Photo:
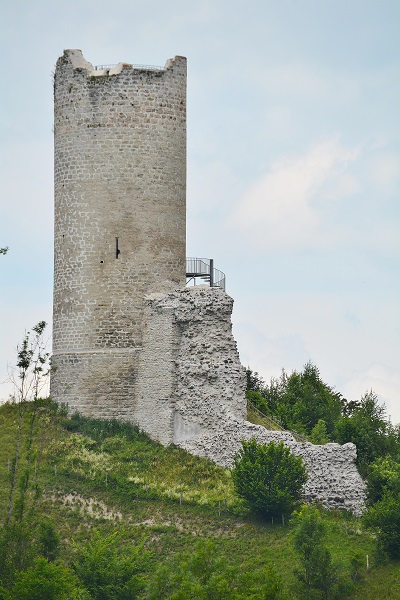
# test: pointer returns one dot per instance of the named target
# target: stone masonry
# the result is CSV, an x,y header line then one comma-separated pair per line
x,y
191,392
120,220
130,341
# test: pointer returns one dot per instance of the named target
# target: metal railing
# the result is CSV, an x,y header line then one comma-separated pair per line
x,y
203,268
143,67
219,279
269,423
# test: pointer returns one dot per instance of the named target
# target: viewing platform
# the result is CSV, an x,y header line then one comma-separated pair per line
x,y
203,269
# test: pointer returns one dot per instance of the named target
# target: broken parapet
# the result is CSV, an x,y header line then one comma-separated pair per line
x,y
333,478
189,369
191,392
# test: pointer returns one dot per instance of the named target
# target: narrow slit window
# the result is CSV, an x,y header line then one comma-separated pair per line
x,y
117,250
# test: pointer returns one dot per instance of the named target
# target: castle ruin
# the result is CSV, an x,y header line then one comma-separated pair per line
x,y
130,341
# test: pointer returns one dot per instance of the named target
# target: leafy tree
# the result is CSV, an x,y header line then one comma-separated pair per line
x,y
48,540
383,476
33,365
318,577
33,369
46,581
205,575
258,400
4,594
384,518
110,570
300,400
269,477
319,434
254,382
367,427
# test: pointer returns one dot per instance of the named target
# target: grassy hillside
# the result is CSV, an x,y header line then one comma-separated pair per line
x,y
90,476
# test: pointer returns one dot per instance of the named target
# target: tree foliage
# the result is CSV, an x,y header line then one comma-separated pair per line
x,y
368,428
384,518
302,402
300,399
318,577
33,364
319,434
204,574
110,570
383,477
269,477
46,581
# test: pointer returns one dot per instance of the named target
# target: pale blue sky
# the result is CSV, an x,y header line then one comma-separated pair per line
x,y
293,168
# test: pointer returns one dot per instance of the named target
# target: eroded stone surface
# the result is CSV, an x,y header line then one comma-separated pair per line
x,y
191,387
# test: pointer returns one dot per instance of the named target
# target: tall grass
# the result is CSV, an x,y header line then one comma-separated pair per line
x,y
92,474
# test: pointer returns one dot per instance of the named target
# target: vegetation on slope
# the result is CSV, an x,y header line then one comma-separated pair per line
x,y
302,402
99,507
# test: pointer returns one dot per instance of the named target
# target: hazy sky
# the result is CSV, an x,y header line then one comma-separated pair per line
x,y
293,168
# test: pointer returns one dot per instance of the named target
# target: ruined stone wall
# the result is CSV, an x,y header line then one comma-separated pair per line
x,y
191,391
120,220
189,371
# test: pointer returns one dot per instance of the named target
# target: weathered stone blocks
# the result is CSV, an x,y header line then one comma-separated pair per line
x,y
191,392
120,219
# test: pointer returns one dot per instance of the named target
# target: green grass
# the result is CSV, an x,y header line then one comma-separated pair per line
x,y
107,475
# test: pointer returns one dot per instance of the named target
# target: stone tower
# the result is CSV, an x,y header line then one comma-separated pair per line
x,y
129,340
120,179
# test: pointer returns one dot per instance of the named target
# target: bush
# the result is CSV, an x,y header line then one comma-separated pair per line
x,y
384,518
48,540
269,478
109,570
204,574
44,581
318,577
383,476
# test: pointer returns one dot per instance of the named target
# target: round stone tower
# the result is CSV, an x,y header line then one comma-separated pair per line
x,y
120,187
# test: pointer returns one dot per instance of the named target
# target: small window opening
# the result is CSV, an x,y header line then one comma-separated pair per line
x,y
117,250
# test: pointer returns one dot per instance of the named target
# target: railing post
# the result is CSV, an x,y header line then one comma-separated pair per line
x,y
211,272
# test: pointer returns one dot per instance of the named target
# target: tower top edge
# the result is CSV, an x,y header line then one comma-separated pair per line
x,y
76,59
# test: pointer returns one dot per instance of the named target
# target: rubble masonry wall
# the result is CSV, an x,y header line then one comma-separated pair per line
x,y
199,402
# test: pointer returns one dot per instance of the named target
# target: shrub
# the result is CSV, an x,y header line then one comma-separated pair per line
x,y
204,574
44,581
383,476
269,478
384,518
48,540
109,570
318,577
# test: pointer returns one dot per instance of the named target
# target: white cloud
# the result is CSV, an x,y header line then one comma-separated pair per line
x,y
285,206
